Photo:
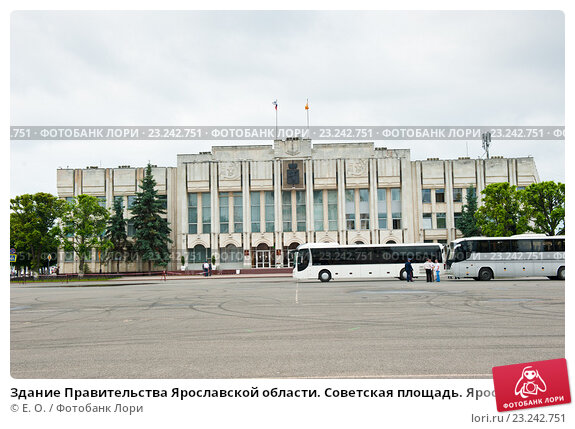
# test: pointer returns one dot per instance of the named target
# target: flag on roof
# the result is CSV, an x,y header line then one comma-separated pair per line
x,y
275,103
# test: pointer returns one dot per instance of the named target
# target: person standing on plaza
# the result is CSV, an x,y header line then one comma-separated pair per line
x,y
409,270
436,268
206,267
428,266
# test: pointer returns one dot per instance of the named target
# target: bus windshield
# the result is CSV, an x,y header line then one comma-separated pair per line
x,y
457,253
302,260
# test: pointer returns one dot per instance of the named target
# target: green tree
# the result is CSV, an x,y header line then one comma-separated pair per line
x,y
152,232
544,205
83,227
117,235
33,231
467,223
501,214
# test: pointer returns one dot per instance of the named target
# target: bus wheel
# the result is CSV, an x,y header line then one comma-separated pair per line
x,y
485,274
402,274
324,276
561,273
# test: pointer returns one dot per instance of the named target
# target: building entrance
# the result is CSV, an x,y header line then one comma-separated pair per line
x,y
263,258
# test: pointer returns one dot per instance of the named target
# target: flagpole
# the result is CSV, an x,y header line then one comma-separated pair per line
x,y
275,103
307,113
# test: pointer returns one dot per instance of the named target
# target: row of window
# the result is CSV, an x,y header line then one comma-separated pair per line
x,y
293,205
440,195
535,245
374,255
131,199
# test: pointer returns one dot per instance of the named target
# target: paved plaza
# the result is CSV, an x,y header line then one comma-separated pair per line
x,y
275,327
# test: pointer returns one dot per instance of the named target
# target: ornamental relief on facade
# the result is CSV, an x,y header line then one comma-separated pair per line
x,y
357,167
230,170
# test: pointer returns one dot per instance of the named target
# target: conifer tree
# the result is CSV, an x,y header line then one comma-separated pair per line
x,y
152,232
467,224
117,234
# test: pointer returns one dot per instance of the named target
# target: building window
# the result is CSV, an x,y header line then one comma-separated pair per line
x,y
426,195
426,224
102,201
382,208
224,213
300,210
206,213
192,213
332,210
457,219
69,199
318,210
198,255
68,256
457,195
440,195
440,220
396,207
363,208
231,254
286,211
238,214
121,199
350,209
163,199
131,230
473,192
131,200
269,210
255,211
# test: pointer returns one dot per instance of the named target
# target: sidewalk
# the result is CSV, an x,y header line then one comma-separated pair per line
x,y
143,279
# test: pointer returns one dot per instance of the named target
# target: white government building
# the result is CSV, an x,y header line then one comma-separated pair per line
x,y
251,205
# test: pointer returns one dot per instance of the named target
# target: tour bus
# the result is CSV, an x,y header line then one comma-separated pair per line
x,y
485,258
327,261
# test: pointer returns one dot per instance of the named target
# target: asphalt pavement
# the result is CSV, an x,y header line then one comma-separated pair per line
x,y
275,327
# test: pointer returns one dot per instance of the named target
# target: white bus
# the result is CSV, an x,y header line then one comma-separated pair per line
x,y
485,258
327,261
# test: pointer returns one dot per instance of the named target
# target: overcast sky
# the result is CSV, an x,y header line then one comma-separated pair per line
x,y
226,68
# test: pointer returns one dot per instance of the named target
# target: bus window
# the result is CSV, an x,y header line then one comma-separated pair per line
x,y
559,245
523,246
547,245
483,246
499,246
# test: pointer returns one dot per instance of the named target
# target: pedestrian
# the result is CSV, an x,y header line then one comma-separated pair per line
x,y
436,265
428,266
206,267
210,269
409,270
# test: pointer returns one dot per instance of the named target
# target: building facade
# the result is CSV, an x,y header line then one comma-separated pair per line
x,y
251,206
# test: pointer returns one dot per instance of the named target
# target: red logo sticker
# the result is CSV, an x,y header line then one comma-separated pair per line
x,y
531,384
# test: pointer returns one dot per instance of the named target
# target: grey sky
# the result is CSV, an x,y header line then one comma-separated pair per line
x,y
225,68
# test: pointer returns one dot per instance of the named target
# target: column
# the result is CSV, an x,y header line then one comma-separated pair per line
x,y
278,234
309,201
215,203
341,201
246,211
449,222
181,200
373,200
